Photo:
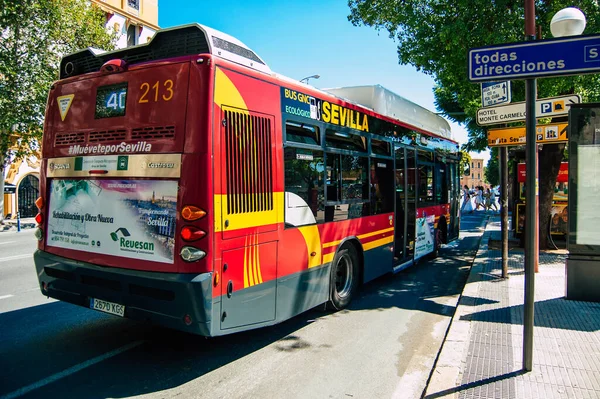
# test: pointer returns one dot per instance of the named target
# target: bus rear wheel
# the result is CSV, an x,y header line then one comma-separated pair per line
x,y
343,278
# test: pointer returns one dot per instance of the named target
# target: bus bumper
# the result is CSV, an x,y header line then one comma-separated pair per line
x,y
161,298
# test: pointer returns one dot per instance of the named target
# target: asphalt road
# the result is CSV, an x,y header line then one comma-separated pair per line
x,y
383,346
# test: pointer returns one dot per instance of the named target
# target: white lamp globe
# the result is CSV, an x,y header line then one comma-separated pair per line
x,y
569,21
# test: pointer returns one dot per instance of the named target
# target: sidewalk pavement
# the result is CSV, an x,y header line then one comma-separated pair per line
x,y
483,350
11,224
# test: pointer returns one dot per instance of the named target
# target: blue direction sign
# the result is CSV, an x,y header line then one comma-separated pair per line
x,y
494,93
553,57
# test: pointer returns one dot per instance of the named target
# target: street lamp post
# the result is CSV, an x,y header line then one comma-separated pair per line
x,y
310,77
567,22
531,209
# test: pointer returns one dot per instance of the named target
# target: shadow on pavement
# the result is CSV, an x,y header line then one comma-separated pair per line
x,y
475,384
53,337
549,313
48,339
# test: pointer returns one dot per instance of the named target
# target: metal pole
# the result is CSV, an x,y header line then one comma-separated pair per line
x,y
531,194
504,208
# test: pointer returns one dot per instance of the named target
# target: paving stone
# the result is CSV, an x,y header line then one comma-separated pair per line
x,y
566,354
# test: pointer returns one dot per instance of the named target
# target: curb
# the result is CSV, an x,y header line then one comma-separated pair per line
x,y
447,373
10,226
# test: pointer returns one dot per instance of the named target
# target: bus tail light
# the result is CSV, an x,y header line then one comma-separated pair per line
x,y
191,233
191,213
39,218
191,254
39,234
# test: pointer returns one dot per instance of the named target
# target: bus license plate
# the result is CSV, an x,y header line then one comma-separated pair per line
x,y
107,307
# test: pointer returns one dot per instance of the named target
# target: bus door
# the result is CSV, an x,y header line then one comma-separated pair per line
x,y
405,211
248,219
454,222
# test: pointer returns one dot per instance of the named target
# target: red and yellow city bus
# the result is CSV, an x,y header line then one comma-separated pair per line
x,y
186,184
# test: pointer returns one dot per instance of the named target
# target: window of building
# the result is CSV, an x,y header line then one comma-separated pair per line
x,y
301,133
478,165
135,4
479,175
304,186
132,38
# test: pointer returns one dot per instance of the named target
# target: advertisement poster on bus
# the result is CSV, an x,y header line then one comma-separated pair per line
x,y
127,218
424,242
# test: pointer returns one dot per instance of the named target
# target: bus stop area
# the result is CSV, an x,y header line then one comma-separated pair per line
x,y
482,354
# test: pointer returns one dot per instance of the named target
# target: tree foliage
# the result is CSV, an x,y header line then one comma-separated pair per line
x,y
465,161
435,36
35,34
492,170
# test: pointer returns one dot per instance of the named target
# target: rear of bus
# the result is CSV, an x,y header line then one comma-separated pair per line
x,y
125,210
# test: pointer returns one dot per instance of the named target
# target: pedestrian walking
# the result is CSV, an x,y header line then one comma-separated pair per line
x,y
487,200
493,202
479,198
467,206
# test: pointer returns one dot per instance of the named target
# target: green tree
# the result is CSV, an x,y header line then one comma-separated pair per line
x,y
435,37
35,34
492,170
464,167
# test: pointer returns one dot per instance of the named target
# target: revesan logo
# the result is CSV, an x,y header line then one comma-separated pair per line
x,y
130,245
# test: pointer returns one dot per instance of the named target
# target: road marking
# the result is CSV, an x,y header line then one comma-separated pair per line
x,y
69,371
9,258
7,242
6,296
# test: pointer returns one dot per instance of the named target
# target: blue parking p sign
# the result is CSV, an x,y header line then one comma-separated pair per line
x,y
553,57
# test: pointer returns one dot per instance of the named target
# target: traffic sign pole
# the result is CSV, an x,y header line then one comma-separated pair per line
x,y
531,209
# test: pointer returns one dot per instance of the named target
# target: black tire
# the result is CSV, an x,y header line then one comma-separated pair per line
x,y
343,281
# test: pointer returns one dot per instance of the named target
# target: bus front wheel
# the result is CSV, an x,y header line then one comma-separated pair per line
x,y
343,277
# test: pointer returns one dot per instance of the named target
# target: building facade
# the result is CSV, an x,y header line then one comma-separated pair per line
x,y
476,177
136,21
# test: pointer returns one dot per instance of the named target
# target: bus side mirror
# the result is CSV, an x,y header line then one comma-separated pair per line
x,y
467,169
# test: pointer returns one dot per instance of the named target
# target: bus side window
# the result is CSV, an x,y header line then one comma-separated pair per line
x,y
304,189
382,184
441,184
425,183
347,187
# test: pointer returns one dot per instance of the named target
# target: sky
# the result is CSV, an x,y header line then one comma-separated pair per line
x,y
300,38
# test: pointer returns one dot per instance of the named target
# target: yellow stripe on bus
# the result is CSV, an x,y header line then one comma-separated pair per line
x,y
362,236
249,219
370,245
378,243
312,238
226,93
